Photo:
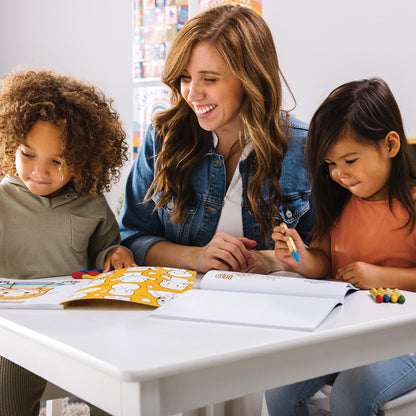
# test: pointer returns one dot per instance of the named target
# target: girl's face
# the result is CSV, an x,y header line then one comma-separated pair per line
x,y
38,160
363,169
212,91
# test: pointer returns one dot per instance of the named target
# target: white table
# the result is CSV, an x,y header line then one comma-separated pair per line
x,y
119,359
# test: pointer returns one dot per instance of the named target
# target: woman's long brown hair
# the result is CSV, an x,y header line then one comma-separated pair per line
x,y
246,45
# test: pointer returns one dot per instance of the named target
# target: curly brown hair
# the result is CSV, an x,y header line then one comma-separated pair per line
x,y
93,139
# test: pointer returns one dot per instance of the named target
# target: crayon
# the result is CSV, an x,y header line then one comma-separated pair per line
x,y
290,244
376,295
383,292
393,296
400,298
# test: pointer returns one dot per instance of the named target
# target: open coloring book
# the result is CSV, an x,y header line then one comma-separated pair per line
x,y
279,300
146,285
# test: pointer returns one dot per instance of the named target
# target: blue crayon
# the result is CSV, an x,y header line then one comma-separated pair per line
x,y
383,292
291,244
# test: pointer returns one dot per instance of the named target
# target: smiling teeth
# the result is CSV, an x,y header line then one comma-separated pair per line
x,y
203,110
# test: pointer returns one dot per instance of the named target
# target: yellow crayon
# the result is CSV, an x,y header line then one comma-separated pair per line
x,y
393,296
400,297
291,244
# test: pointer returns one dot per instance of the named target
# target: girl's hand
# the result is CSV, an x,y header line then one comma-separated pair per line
x,y
118,258
361,275
225,252
281,249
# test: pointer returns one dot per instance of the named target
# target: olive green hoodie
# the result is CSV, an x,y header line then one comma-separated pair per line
x,y
43,237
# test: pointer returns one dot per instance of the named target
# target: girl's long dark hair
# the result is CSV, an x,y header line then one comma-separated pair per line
x,y
369,110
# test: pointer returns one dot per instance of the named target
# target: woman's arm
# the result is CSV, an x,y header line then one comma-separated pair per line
x,y
223,252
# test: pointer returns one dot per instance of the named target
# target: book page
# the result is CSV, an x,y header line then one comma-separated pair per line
x,y
37,293
278,283
153,286
242,308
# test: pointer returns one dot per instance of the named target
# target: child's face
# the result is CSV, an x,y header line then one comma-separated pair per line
x,y
38,160
363,169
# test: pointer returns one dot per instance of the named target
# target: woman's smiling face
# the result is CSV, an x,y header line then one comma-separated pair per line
x,y
212,90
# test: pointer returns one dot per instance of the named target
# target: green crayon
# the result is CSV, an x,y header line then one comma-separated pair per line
x,y
400,297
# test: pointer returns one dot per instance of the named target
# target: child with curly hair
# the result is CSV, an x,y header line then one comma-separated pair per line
x,y
61,145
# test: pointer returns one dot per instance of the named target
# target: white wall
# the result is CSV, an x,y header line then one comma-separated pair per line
x,y
90,39
323,43
320,43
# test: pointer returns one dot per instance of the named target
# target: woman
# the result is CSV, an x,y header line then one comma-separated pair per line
x,y
224,164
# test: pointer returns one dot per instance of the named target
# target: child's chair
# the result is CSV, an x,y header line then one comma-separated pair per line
x,y
53,396
404,405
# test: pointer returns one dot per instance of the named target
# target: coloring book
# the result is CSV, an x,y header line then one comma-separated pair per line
x,y
152,286
279,300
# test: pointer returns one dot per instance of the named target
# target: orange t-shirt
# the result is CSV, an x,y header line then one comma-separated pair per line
x,y
368,231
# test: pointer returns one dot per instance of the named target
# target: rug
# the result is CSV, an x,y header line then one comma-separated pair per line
x,y
70,408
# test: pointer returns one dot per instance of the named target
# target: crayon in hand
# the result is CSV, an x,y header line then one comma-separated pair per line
x,y
376,295
291,244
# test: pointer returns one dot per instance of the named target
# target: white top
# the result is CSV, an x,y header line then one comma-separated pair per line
x,y
231,220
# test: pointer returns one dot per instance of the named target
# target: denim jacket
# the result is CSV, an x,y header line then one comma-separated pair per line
x,y
141,227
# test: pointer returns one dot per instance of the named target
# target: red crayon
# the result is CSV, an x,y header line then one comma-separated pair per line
x,y
376,295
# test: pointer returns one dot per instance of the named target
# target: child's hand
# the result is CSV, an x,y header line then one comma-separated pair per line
x,y
281,248
361,275
118,258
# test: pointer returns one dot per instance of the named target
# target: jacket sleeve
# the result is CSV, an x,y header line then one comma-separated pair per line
x,y
140,226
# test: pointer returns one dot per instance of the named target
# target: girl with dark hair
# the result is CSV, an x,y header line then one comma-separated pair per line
x,y
363,184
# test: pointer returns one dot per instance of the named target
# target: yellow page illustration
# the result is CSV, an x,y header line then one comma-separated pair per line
x,y
152,286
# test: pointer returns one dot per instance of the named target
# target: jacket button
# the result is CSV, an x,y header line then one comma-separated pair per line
x,y
171,204
288,213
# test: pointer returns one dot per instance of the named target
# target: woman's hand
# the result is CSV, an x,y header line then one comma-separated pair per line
x,y
264,262
225,252
118,258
